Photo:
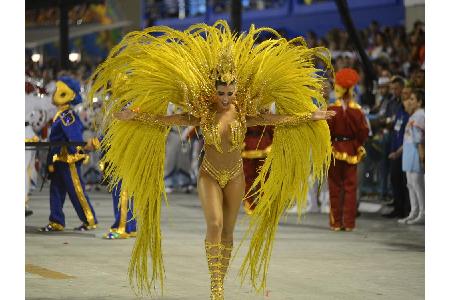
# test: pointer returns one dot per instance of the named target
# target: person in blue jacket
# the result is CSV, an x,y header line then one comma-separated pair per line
x,y
64,161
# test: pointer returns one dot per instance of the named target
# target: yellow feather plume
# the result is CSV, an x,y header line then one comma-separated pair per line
x,y
150,68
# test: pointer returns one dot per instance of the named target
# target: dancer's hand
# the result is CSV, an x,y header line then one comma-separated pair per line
x,y
125,115
323,115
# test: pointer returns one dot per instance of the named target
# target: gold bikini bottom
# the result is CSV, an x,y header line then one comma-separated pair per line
x,y
222,176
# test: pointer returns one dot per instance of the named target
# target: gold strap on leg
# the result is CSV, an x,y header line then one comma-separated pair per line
x,y
214,258
227,249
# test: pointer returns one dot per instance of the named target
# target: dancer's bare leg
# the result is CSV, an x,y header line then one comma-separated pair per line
x,y
233,194
211,199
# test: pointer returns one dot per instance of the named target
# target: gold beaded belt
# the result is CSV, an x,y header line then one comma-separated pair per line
x,y
222,176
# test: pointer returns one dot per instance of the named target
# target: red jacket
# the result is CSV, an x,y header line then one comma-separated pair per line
x,y
349,131
257,142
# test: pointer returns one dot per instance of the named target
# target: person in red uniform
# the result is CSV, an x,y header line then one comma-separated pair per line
x,y
349,131
258,141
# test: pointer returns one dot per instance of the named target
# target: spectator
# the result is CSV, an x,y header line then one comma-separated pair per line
x,y
398,177
383,103
418,78
413,159
379,124
381,49
417,41
374,27
396,88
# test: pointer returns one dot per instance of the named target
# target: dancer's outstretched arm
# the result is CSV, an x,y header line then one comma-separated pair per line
x,y
159,120
274,119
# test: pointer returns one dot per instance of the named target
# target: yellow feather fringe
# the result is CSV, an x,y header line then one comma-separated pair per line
x,y
150,68
296,154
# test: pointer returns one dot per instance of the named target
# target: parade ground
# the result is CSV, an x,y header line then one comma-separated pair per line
x,y
381,259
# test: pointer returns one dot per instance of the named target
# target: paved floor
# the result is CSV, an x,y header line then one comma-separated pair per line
x,y
380,260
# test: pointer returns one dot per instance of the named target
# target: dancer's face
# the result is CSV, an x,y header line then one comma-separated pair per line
x,y
226,95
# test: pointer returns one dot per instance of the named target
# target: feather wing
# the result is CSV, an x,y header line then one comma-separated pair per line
x,y
281,72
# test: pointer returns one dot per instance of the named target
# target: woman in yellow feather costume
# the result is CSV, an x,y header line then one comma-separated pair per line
x,y
221,82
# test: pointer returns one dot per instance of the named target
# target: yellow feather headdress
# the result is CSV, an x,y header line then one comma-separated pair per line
x,y
225,70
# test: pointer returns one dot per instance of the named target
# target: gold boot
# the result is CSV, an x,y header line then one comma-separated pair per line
x,y
227,248
214,258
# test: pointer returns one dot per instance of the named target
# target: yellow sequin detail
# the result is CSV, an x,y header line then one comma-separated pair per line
x,y
214,259
226,70
298,119
212,136
148,119
237,135
222,176
252,154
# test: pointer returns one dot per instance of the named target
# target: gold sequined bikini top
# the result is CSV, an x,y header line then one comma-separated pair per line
x,y
212,136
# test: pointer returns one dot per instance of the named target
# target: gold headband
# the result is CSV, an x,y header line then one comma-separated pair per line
x,y
225,70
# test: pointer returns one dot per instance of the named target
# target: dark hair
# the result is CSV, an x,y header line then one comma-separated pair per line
x,y
413,68
420,95
220,82
399,80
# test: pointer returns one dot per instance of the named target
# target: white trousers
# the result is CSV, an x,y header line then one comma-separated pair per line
x,y
29,167
416,187
314,196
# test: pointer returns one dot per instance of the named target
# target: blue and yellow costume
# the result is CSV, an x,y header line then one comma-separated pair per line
x,y
124,225
64,161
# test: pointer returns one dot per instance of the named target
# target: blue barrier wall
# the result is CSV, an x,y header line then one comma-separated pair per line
x,y
297,19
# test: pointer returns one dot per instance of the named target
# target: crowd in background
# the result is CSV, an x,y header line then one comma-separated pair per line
x,y
160,9
398,59
78,14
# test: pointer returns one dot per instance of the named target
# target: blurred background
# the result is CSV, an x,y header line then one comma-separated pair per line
x,y
383,39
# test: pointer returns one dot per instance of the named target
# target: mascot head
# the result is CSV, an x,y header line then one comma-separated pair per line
x,y
67,91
